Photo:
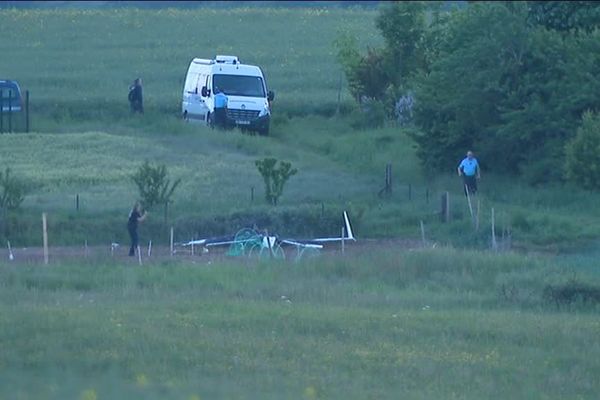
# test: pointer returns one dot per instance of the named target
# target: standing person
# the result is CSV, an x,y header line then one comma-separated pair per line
x,y
135,97
135,216
220,108
469,170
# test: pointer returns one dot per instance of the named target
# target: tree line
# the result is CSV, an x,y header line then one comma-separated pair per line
x,y
516,81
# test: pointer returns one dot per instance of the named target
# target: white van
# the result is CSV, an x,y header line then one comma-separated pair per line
x,y
248,104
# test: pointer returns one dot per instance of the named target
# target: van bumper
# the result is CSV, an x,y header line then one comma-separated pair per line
x,y
260,124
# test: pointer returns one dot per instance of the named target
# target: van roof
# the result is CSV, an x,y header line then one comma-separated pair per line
x,y
225,68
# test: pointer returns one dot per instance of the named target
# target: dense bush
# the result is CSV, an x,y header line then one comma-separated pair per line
x,y
508,79
582,163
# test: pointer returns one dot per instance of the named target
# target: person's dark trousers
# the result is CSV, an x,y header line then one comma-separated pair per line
x,y
134,240
220,117
471,184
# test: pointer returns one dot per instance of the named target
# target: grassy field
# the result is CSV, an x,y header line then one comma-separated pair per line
x,y
417,325
89,144
440,323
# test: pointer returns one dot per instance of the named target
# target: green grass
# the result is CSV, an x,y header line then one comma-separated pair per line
x,y
419,325
89,143
76,73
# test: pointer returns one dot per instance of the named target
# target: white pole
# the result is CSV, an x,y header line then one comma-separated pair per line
x,y
192,245
423,233
149,248
343,239
171,241
10,253
469,202
139,255
45,237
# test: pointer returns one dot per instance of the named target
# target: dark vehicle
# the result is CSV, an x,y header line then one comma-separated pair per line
x,y
10,96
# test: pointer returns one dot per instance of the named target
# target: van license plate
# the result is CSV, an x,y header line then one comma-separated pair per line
x,y
242,122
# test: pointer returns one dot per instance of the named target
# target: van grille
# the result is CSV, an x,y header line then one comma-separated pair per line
x,y
241,115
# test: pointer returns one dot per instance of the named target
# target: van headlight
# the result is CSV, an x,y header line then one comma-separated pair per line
x,y
265,111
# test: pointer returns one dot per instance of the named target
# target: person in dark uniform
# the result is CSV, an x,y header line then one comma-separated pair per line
x,y
135,97
135,216
220,108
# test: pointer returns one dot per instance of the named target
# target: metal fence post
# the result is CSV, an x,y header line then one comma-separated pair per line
x,y
27,111
9,111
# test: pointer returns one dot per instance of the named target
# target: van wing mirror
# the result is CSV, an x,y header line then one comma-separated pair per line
x,y
271,95
205,91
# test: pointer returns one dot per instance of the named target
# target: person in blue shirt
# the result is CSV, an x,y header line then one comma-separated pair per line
x,y
469,170
220,108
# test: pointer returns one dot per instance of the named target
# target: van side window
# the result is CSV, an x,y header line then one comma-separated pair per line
x,y
190,82
198,83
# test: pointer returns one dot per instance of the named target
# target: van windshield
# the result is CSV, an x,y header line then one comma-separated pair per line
x,y
239,85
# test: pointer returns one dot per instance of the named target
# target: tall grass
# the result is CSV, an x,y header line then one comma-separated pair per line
x,y
75,73
428,324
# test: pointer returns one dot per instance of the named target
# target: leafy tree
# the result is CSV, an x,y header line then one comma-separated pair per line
x,y
565,16
582,164
402,25
512,92
153,185
12,191
383,74
274,178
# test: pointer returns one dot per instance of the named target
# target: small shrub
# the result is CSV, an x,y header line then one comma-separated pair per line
x,y
12,191
572,292
274,178
153,185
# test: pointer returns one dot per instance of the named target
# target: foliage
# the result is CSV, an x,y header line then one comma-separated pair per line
x,y
512,92
382,74
373,115
274,178
565,16
582,162
12,190
153,185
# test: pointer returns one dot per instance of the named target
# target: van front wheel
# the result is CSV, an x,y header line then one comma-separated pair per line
x,y
264,131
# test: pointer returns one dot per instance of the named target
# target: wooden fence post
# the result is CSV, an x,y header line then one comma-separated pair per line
x,y
494,244
45,237
445,212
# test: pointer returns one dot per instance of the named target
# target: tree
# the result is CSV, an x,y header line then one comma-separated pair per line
x,y
513,92
565,16
274,178
382,74
582,164
153,185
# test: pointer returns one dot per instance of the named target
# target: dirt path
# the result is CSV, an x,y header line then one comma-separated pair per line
x,y
158,254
